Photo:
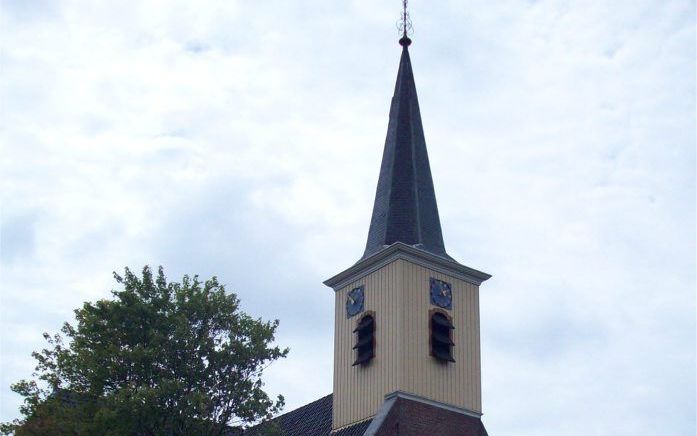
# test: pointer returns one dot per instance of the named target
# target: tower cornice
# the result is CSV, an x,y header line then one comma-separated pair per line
x,y
399,250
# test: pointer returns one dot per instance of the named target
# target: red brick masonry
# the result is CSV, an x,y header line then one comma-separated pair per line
x,y
413,418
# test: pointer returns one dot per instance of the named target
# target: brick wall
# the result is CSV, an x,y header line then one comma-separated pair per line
x,y
414,418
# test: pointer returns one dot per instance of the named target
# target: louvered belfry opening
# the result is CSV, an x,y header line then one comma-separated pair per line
x,y
441,337
365,340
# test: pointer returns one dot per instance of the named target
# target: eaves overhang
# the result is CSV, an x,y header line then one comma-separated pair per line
x,y
400,250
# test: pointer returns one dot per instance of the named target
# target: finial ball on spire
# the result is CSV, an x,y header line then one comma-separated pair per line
x,y
404,41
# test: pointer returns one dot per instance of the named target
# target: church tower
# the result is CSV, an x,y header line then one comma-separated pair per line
x,y
406,314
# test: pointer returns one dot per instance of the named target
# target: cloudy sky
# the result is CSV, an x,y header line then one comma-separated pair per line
x,y
243,139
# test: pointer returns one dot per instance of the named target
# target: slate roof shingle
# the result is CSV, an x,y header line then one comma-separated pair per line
x,y
405,208
313,419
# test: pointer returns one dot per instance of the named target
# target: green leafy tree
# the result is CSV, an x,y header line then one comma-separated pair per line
x,y
158,358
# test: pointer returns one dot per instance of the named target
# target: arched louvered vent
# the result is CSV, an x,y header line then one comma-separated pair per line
x,y
365,340
441,337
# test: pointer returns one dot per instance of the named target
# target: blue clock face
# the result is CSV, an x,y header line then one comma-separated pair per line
x,y
441,294
354,301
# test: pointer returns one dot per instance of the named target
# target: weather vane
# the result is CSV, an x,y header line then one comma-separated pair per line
x,y
404,24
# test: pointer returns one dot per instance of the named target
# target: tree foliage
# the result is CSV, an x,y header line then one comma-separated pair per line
x,y
157,358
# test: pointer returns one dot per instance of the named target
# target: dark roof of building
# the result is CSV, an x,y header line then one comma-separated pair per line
x,y
313,419
353,430
405,207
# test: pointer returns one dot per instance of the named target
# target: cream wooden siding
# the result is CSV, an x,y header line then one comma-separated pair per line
x,y
398,293
359,390
456,383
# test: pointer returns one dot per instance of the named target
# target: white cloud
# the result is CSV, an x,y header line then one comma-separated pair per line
x,y
243,139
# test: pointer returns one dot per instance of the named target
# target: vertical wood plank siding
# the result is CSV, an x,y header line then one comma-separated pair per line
x,y
359,390
398,293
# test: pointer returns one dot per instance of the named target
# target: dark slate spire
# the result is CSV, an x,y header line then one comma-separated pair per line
x,y
405,207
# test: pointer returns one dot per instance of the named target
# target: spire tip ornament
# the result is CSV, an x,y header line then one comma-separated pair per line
x,y
404,26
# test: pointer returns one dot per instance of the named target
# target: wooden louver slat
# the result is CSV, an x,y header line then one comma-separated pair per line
x,y
441,337
365,340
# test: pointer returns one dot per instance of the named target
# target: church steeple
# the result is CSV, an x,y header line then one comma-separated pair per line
x,y
406,324
405,207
